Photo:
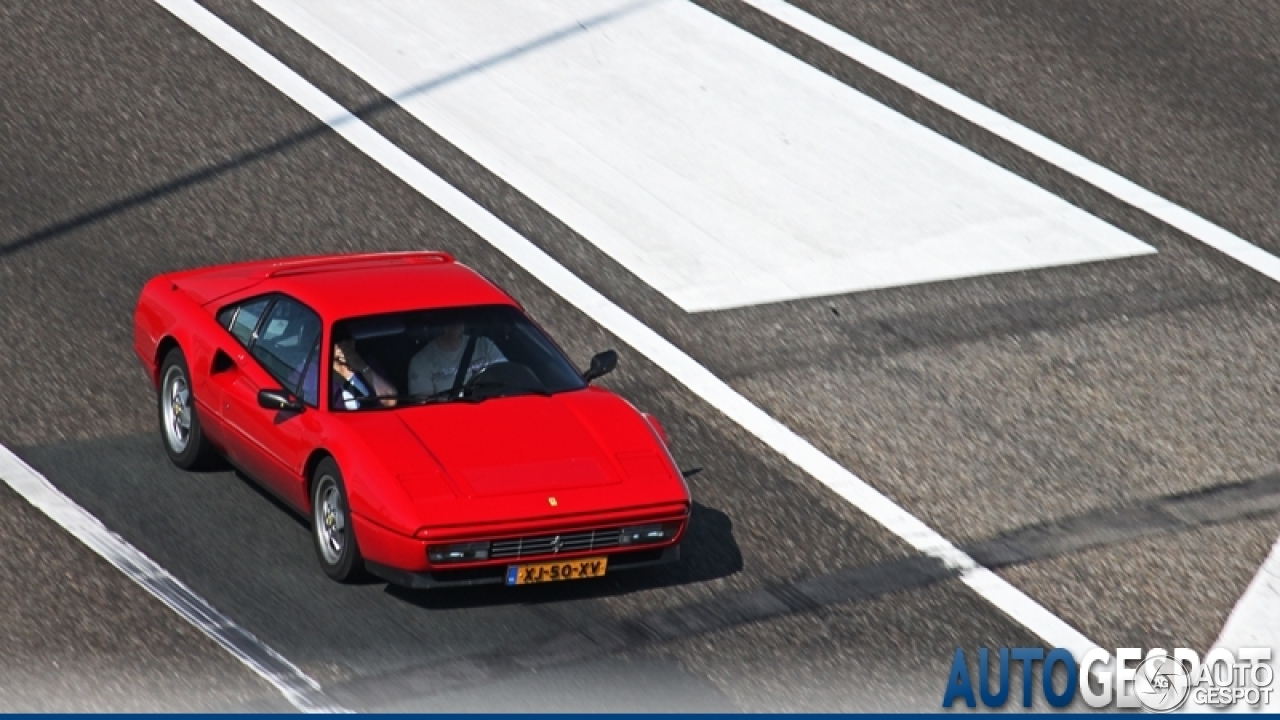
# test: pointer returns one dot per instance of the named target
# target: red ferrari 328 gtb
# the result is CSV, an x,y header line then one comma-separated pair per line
x,y
433,434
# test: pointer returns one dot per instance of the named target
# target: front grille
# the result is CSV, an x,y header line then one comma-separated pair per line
x,y
552,544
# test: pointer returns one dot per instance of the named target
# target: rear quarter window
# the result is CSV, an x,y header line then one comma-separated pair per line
x,y
242,319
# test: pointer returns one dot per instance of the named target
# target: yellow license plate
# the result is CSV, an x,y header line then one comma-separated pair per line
x,y
576,569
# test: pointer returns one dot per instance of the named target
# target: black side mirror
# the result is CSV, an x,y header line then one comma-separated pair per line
x,y
279,400
602,364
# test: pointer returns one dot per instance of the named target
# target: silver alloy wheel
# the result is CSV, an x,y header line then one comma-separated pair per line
x,y
175,404
331,524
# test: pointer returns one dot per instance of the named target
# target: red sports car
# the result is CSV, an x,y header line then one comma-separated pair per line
x,y
430,430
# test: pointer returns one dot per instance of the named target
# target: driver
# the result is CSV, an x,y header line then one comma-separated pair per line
x,y
355,380
434,368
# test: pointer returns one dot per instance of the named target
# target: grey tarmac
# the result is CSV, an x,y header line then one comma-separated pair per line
x,y
987,407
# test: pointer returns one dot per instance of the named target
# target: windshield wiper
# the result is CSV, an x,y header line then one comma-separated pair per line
x,y
426,398
469,388
467,393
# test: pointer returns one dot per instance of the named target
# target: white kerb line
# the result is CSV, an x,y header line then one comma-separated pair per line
x,y
628,329
1220,239
300,690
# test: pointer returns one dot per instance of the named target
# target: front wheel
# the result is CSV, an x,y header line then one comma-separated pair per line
x,y
332,533
180,428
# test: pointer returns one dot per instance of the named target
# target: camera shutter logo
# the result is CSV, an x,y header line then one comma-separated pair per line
x,y
1161,684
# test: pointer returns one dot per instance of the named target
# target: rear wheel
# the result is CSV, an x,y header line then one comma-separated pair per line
x,y
332,533
180,428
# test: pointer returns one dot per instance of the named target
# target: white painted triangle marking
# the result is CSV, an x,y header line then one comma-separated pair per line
x,y
712,165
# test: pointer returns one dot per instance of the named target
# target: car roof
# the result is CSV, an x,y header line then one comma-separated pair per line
x,y
371,291
353,285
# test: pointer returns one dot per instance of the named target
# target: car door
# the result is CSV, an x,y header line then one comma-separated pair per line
x,y
225,361
280,351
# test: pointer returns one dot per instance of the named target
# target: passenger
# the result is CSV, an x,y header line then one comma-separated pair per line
x,y
434,368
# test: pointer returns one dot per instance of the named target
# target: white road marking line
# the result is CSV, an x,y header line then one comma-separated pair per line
x,y
300,690
717,168
684,369
1042,147
1256,617
1255,622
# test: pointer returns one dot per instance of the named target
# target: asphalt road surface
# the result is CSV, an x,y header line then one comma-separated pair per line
x,y
1061,406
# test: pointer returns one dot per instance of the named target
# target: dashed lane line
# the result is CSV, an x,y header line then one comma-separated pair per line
x,y
684,369
300,690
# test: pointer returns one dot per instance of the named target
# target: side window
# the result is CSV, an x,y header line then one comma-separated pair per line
x,y
241,319
286,339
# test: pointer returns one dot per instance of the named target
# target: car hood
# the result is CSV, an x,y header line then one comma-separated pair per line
x,y
519,459
524,445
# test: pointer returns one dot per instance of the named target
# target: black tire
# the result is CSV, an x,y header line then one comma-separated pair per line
x,y
186,445
331,532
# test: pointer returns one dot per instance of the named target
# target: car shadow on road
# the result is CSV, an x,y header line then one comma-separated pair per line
x,y
707,552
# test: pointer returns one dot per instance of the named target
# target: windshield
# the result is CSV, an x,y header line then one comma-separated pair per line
x,y
454,355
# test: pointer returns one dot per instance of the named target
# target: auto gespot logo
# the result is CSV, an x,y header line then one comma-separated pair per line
x,y
1159,681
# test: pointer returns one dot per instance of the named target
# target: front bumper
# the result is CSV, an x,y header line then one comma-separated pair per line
x,y
497,574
